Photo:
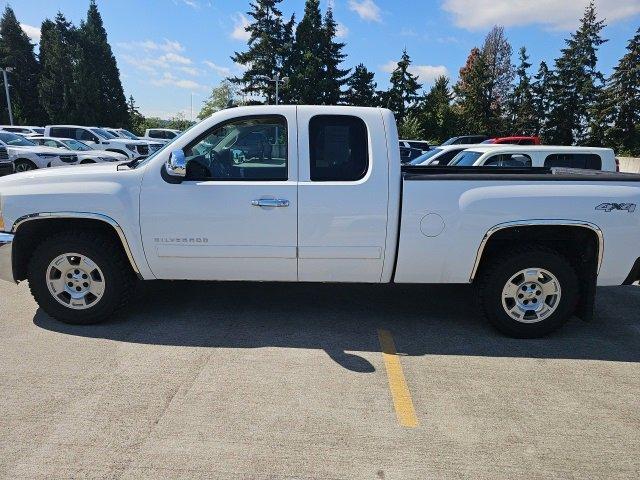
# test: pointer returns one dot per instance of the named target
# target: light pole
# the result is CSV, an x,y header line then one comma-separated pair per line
x,y
6,91
277,80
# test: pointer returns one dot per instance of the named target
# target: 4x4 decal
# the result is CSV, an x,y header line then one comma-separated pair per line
x,y
608,207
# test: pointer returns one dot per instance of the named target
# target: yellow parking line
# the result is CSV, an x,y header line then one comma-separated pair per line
x,y
397,384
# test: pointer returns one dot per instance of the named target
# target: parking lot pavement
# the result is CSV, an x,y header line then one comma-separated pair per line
x,y
239,381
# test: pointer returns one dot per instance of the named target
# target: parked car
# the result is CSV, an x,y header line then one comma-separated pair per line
x,y
514,140
465,139
590,158
100,139
409,154
25,130
26,155
85,153
441,155
166,134
154,145
6,165
417,144
336,206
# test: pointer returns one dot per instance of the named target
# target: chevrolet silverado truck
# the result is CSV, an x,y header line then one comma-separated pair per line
x,y
322,199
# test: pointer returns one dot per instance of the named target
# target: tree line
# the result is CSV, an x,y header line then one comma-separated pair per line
x,y
569,102
75,79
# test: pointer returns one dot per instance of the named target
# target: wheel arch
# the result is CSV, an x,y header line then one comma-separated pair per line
x,y
31,229
544,231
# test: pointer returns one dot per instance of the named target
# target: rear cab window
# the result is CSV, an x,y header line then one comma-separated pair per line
x,y
338,148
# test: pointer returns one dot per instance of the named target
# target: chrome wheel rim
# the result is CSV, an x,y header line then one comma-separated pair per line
x,y
23,167
531,295
75,281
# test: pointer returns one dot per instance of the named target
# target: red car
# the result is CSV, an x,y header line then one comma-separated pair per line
x,y
515,140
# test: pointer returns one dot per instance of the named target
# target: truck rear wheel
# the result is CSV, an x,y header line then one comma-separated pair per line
x,y
529,292
80,277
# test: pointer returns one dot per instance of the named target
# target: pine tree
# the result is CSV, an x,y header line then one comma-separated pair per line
x,y
410,127
403,91
540,89
269,48
308,69
576,83
496,52
16,51
623,91
98,88
436,113
473,106
522,111
136,119
334,77
361,88
56,85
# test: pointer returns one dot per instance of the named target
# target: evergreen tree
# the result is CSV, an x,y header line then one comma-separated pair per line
x,y
410,127
16,51
308,69
221,97
522,111
540,89
473,106
496,52
623,92
403,91
334,77
436,113
361,88
136,119
269,48
56,84
98,88
576,83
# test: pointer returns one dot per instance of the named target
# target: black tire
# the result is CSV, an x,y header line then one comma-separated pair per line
x,y
503,267
119,279
23,165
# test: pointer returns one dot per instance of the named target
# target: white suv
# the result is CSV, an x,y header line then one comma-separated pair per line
x,y
23,129
154,145
85,153
26,155
99,139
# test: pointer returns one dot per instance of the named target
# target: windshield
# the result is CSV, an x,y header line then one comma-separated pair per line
x,y
103,133
425,156
128,134
15,140
77,145
466,158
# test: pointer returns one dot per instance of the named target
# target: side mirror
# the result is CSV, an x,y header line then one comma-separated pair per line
x,y
177,164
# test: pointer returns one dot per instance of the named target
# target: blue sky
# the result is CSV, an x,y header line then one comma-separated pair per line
x,y
170,51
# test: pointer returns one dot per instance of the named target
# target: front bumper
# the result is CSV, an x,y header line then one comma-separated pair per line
x,y
6,257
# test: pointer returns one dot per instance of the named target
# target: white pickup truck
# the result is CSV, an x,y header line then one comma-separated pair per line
x,y
317,194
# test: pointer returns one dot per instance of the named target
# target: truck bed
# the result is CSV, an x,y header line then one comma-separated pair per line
x,y
412,172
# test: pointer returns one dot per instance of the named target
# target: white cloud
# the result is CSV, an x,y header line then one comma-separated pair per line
x,y
167,46
32,32
558,15
190,71
220,70
175,58
366,9
239,28
169,79
426,73
342,31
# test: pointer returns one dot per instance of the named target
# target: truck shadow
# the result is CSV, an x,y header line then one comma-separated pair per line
x,y
344,319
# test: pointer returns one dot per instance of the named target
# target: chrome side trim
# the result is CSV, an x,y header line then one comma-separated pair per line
x,y
82,215
534,223
6,257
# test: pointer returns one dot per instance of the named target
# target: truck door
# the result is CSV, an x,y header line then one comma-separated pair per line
x,y
342,195
234,217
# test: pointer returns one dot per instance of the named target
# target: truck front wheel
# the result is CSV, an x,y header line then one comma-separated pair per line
x,y
528,292
80,277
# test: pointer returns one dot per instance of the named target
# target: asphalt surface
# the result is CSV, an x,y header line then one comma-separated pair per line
x,y
243,381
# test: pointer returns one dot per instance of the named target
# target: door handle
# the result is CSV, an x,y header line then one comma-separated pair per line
x,y
270,202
